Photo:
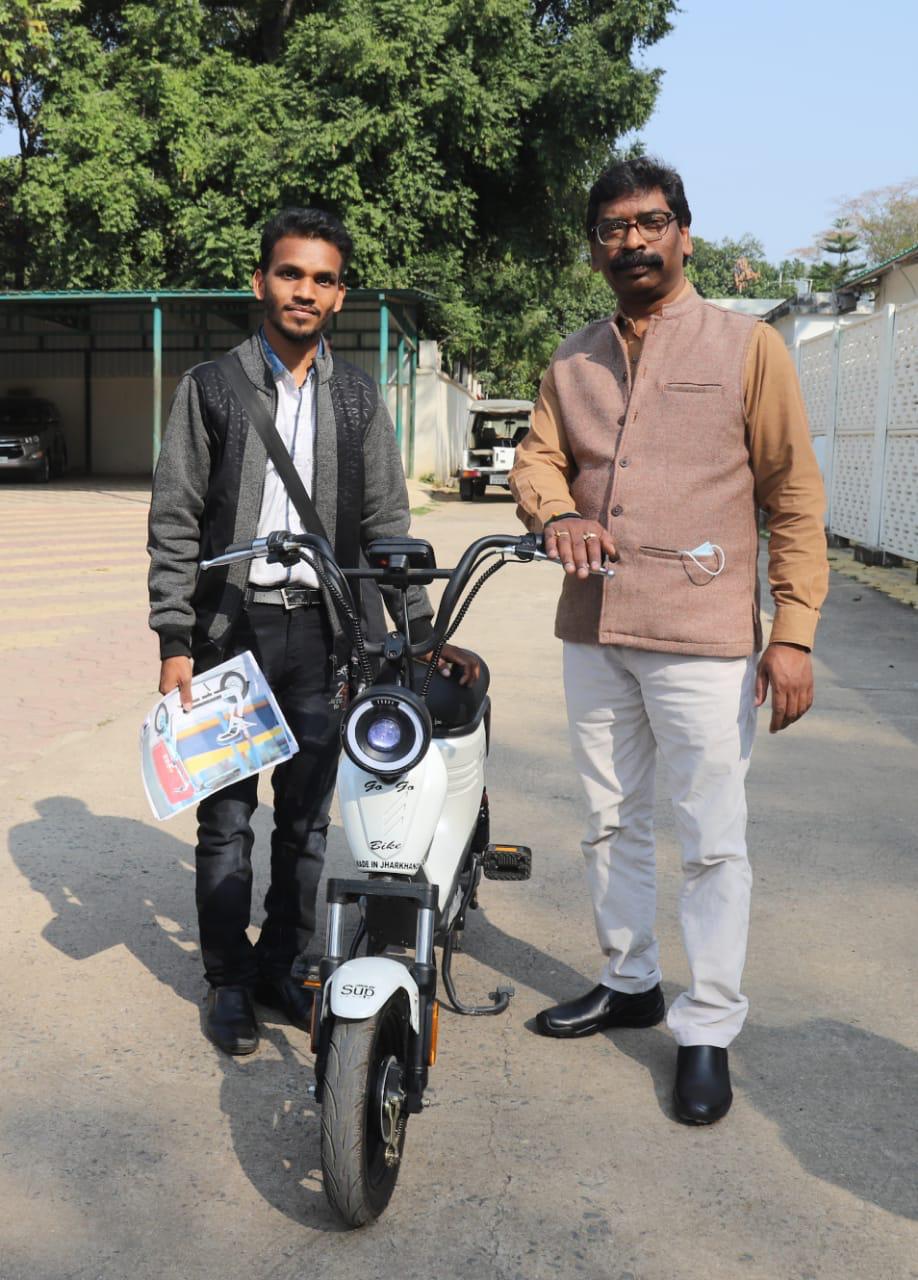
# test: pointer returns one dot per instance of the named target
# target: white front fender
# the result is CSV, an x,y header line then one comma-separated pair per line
x,y
361,987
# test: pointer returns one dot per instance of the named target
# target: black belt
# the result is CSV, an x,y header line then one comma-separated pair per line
x,y
289,597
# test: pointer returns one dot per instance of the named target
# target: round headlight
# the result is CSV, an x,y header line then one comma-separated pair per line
x,y
384,734
386,731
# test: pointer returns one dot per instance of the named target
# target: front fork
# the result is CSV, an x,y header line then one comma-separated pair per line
x,y
423,970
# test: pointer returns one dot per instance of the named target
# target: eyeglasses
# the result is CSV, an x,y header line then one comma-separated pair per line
x,y
614,231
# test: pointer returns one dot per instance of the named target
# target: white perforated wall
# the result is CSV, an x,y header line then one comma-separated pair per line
x,y
851,467
899,521
816,381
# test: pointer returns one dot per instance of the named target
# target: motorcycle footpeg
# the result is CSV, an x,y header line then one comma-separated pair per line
x,y
507,862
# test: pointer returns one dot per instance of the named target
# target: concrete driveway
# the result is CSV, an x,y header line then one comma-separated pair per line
x,y
130,1148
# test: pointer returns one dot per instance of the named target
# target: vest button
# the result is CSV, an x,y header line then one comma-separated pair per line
x,y
617,510
621,421
625,462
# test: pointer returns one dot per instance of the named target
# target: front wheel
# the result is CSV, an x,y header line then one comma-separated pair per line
x,y
363,1118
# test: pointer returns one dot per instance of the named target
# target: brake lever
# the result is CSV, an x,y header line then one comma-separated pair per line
x,y
525,553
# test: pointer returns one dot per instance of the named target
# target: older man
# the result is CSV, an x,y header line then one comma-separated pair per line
x,y
657,436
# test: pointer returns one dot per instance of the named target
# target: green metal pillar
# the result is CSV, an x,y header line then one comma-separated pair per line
x,y
399,361
87,410
412,386
157,377
383,344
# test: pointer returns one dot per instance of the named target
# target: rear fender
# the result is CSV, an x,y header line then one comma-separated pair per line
x,y
360,988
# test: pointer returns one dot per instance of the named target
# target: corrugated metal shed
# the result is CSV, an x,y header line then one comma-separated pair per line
x,y
111,361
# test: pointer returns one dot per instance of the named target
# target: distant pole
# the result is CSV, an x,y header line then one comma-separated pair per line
x,y
383,345
87,409
412,392
157,377
399,361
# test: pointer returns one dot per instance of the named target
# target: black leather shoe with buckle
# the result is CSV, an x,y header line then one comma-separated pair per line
x,y
290,996
702,1093
601,1008
230,1020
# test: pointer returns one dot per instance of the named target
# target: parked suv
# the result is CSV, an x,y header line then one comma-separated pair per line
x,y
31,439
495,429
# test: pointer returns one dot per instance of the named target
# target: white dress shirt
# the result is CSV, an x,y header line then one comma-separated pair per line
x,y
295,420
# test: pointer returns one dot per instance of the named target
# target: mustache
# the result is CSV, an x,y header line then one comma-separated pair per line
x,y
629,258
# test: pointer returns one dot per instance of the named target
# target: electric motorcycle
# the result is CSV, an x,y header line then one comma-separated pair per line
x,y
414,807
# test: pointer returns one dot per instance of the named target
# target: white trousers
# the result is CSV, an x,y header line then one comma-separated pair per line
x,y
623,704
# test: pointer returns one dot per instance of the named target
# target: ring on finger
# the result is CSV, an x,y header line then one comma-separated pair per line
x,y
561,533
588,536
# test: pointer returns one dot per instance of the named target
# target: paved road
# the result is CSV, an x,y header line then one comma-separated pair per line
x,y
130,1148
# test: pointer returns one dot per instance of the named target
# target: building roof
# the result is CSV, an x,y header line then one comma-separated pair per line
x,y
181,295
869,274
760,307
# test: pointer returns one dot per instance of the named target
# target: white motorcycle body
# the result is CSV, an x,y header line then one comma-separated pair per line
x,y
422,823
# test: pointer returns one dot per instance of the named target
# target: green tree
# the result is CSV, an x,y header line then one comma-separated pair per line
x,y
714,269
28,30
456,139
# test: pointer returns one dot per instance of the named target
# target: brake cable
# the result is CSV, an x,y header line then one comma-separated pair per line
x,y
454,626
345,611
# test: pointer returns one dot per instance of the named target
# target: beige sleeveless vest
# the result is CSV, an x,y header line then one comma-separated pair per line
x,y
664,465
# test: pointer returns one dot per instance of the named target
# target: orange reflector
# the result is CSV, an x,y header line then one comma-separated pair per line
x,y
470,475
505,848
434,1032
314,983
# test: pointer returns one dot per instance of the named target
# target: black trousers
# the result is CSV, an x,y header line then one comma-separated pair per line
x,y
293,649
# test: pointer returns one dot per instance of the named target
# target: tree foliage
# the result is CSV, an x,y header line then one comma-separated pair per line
x,y
455,137
886,219
879,224
713,270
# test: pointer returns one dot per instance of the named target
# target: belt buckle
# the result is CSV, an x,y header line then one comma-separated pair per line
x,y
295,597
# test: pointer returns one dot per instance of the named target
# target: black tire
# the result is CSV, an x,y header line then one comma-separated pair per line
x,y
358,1181
466,491
479,488
44,474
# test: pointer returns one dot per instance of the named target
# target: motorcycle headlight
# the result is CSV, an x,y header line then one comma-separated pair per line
x,y
386,731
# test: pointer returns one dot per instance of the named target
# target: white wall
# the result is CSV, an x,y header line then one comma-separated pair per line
x,y
441,418
860,385
900,285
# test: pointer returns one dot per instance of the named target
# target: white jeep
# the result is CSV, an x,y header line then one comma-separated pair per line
x,y
495,429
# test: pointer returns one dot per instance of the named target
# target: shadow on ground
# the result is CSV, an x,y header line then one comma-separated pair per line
x,y
843,1098
107,880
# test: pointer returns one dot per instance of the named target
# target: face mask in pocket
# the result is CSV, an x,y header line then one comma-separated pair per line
x,y
707,550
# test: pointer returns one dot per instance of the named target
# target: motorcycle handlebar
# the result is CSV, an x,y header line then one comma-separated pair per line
x,y
524,547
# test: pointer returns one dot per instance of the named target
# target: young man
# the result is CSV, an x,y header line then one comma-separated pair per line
x,y
657,435
214,486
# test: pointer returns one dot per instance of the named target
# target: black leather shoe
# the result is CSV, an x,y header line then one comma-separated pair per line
x,y
702,1093
230,1021
602,1007
290,996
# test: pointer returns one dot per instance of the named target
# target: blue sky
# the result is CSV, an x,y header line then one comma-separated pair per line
x,y
773,109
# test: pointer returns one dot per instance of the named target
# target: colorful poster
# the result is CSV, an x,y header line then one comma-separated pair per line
x,y
235,728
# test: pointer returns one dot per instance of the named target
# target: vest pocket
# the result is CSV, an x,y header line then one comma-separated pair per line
x,y
664,553
694,388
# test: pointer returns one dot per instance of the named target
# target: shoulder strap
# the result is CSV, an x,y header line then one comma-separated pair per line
x,y
260,419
